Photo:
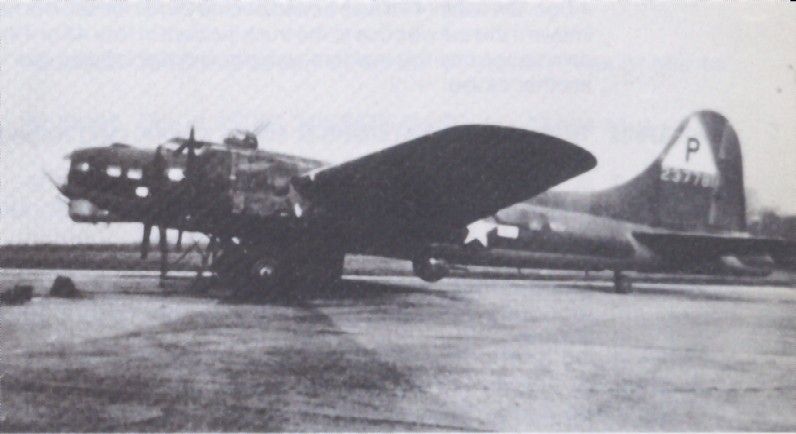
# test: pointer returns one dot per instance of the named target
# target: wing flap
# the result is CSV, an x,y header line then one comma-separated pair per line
x,y
448,178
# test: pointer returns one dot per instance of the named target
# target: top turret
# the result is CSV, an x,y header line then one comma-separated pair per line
x,y
241,139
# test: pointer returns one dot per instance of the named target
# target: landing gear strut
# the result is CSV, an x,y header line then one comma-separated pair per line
x,y
622,283
164,256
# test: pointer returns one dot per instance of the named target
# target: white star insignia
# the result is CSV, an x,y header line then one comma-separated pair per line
x,y
479,231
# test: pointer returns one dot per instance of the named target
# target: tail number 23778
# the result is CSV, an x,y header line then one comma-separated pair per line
x,y
684,176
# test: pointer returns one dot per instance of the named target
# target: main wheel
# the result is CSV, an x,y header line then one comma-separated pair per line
x,y
622,284
232,264
430,269
297,276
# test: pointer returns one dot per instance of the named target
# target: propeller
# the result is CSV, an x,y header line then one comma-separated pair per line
x,y
165,198
191,145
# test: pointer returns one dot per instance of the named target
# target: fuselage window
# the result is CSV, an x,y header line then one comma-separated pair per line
x,y
114,171
82,166
176,174
134,173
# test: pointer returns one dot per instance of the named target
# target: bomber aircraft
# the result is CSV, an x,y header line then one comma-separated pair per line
x,y
469,195
287,222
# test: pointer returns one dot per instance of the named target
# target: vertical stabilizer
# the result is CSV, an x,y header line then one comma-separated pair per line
x,y
701,177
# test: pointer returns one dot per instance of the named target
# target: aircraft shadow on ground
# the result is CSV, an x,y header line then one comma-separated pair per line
x,y
378,292
344,291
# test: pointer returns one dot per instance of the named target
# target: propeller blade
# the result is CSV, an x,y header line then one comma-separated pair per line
x,y
164,252
145,241
179,240
163,241
182,147
190,143
55,183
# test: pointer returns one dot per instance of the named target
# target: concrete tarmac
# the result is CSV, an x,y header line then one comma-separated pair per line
x,y
394,353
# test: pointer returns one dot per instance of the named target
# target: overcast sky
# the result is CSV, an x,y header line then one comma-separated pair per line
x,y
338,80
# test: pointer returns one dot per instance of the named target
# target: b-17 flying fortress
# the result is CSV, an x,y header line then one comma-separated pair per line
x,y
464,216
472,194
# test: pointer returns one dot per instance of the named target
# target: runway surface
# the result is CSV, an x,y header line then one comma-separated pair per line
x,y
393,353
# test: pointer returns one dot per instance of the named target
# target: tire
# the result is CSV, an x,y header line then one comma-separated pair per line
x,y
233,267
295,277
622,284
425,269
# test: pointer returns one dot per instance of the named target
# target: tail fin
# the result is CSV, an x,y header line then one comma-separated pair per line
x,y
700,186
696,184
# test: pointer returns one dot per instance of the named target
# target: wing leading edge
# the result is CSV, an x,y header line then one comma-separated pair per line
x,y
446,179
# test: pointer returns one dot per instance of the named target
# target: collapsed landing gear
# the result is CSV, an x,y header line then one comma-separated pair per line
x,y
622,283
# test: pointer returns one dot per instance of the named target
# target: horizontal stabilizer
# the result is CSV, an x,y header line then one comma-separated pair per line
x,y
446,179
705,246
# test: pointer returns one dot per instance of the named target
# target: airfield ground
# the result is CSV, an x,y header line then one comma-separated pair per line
x,y
393,353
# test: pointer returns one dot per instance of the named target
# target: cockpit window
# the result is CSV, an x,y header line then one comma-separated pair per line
x,y
82,166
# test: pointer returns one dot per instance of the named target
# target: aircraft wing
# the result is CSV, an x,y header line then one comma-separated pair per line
x,y
708,245
445,179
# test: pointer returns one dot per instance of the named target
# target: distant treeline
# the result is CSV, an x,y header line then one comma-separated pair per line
x,y
771,224
128,257
127,247
90,256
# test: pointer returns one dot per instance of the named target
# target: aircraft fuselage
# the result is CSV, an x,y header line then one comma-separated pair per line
x,y
534,236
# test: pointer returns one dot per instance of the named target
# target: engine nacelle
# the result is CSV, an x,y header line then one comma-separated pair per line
x,y
430,269
81,210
